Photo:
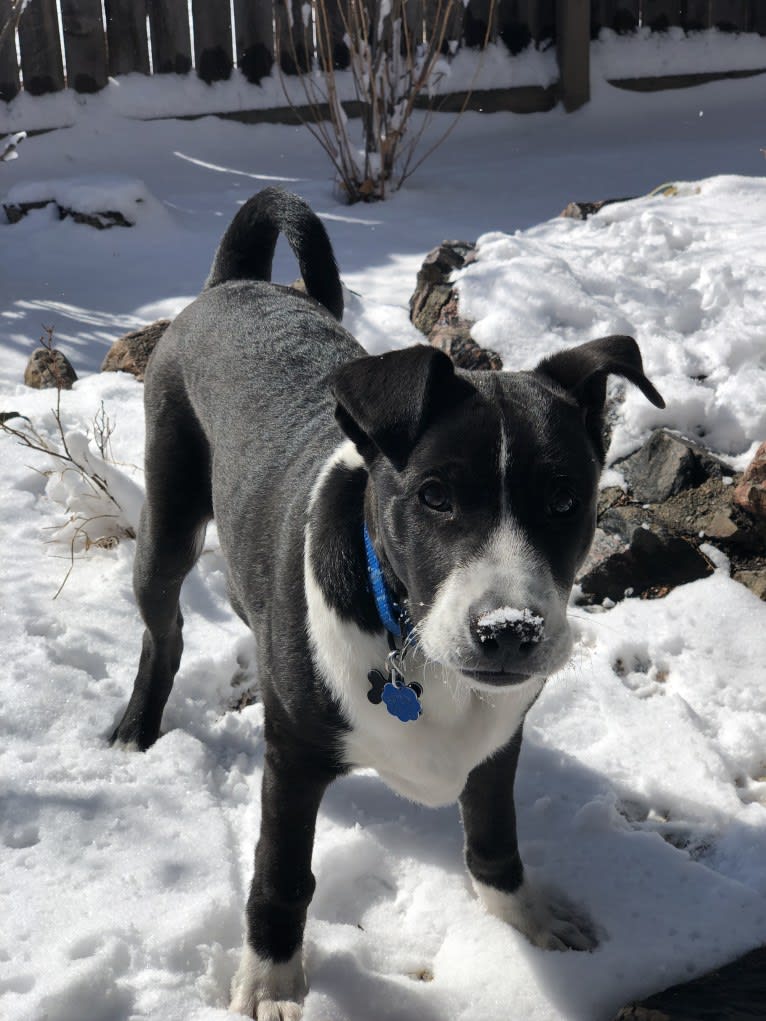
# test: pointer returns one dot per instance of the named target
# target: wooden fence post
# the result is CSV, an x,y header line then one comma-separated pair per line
x,y
9,69
126,36
541,17
660,15
171,40
337,13
84,44
254,39
573,45
477,27
295,38
731,15
212,40
41,63
695,14
757,21
621,16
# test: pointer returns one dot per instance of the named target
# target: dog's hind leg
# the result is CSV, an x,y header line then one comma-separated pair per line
x,y
177,508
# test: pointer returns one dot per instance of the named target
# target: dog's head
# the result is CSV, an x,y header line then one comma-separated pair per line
x,y
481,499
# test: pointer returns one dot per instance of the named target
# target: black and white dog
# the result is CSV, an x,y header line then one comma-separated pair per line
x,y
402,539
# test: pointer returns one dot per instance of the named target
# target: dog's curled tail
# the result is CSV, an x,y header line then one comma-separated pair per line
x,y
247,248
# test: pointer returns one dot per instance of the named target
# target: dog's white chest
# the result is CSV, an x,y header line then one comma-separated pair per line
x,y
426,760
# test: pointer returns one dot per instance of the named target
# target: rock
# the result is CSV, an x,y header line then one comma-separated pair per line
x,y
603,546
654,563
755,580
582,210
611,496
99,220
735,992
457,342
16,211
623,519
130,353
430,305
667,464
432,288
750,494
49,369
434,308
679,496
707,512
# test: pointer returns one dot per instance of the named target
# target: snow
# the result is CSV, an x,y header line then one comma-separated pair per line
x,y
641,791
645,53
91,194
527,623
672,271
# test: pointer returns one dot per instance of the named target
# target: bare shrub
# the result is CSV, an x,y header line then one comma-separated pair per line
x,y
100,501
395,58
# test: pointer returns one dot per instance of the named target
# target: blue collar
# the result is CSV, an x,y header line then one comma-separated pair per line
x,y
400,697
391,614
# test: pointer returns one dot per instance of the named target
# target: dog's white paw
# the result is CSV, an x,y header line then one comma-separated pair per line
x,y
267,990
547,918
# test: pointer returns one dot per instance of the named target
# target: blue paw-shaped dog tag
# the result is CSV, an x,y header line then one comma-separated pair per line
x,y
401,701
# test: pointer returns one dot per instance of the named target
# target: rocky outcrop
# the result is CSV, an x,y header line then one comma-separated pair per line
x,y
679,497
433,288
653,562
582,210
16,211
750,494
130,353
668,464
434,307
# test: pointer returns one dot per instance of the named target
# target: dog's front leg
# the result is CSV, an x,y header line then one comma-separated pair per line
x,y
270,984
543,915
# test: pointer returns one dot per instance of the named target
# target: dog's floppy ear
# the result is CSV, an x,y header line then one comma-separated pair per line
x,y
385,402
583,371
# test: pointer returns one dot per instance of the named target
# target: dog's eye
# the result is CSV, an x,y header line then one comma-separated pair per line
x,y
435,496
563,503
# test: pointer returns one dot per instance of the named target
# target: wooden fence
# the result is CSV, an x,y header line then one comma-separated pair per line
x,y
78,44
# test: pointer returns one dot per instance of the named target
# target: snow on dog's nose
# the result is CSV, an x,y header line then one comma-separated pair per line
x,y
507,630
528,626
504,638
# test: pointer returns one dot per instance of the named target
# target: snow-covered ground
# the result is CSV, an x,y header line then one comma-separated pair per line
x,y
641,789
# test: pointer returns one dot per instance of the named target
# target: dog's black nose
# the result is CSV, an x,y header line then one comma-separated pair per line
x,y
506,634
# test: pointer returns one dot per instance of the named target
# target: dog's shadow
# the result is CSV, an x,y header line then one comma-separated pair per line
x,y
664,911
432,835
344,988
